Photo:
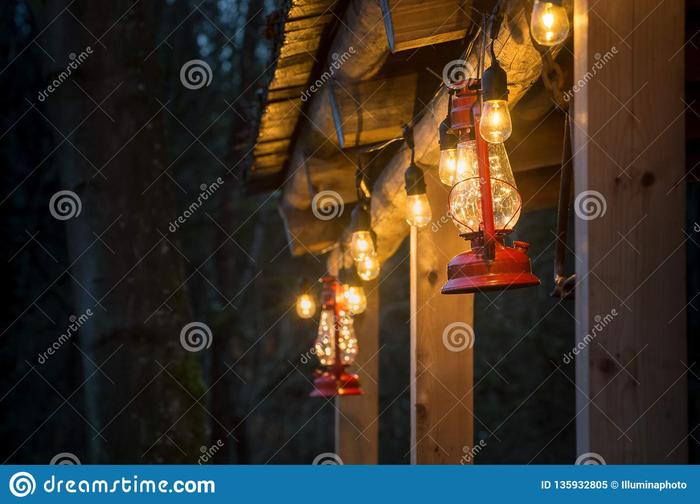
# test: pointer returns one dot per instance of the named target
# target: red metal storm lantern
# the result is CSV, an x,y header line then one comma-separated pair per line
x,y
485,204
336,344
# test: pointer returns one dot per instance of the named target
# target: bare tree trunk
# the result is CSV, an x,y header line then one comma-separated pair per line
x,y
140,399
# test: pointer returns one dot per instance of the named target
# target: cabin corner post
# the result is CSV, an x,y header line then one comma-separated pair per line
x,y
356,417
441,342
629,148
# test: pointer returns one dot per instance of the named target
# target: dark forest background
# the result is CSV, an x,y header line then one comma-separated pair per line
x,y
136,146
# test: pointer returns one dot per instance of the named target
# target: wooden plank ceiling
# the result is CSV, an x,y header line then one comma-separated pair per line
x,y
375,92
308,40
302,29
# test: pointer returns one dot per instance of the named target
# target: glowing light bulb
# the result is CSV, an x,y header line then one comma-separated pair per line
x,y
306,306
347,341
362,245
368,268
325,340
496,125
465,198
549,23
418,212
355,299
467,161
447,167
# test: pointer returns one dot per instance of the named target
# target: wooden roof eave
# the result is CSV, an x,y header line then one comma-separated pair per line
x,y
523,63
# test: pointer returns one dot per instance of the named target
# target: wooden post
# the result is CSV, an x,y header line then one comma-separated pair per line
x,y
631,237
356,421
441,346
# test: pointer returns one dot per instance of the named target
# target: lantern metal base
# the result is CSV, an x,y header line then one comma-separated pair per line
x,y
330,384
471,272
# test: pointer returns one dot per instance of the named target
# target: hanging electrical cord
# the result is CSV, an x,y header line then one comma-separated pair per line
x,y
564,285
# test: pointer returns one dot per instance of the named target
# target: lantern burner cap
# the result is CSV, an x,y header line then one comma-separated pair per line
x,y
470,272
330,384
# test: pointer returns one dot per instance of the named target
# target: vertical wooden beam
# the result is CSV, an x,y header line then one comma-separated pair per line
x,y
356,421
441,375
631,239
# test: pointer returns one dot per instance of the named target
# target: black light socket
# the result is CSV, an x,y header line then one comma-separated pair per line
x,y
361,218
415,181
495,82
448,140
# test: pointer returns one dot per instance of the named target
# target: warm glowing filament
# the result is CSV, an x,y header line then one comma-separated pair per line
x,y
418,212
368,268
447,168
549,23
306,306
465,198
355,299
347,341
496,125
361,245
548,19
325,340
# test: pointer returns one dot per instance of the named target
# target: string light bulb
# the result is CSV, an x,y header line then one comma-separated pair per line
x,y
355,299
305,302
361,244
368,268
549,22
418,211
466,161
306,306
447,166
496,125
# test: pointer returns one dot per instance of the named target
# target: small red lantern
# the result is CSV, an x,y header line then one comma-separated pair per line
x,y
484,204
336,344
